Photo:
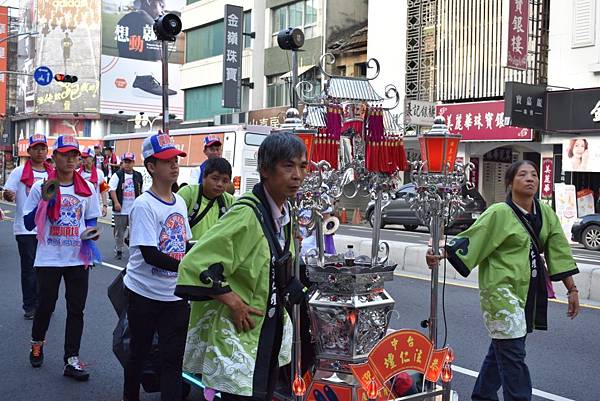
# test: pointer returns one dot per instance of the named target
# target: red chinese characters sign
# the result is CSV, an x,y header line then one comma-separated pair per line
x,y
516,27
3,57
547,186
481,121
397,352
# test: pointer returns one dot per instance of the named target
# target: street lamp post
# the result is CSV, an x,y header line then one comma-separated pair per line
x,y
439,180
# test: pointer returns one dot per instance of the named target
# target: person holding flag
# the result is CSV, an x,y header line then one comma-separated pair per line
x,y
17,187
65,209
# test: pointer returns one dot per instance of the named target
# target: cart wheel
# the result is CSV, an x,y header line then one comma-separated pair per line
x,y
185,391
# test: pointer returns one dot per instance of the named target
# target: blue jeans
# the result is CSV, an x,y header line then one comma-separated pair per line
x,y
504,366
27,245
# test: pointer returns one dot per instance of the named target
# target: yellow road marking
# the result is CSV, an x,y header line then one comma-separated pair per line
x,y
474,287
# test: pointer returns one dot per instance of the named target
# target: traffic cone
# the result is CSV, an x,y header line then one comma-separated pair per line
x,y
343,216
356,217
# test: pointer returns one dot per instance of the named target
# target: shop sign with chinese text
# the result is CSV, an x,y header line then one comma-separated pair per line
x,y
419,112
515,28
481,122
232,57
575,111
525,105
397,352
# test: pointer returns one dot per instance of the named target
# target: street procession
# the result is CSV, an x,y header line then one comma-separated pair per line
x,y
300,200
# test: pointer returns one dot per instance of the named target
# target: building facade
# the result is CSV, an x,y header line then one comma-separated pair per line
x,y
265,67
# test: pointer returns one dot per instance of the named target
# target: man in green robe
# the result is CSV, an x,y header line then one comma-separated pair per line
x,y
240,271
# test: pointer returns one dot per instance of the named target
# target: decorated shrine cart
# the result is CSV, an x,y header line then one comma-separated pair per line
x,y
356,149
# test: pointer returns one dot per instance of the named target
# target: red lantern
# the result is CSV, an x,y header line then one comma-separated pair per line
x,y
450,355
439,148
447,373
372,390
299,387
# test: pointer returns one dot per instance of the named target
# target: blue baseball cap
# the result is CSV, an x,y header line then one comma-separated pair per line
x,y
37,139
88,152
128,156
160,146
211,140
66,143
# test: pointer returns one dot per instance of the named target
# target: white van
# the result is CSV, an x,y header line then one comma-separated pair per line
x,y
240,147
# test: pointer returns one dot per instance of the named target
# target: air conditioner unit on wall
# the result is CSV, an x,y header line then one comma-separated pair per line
x,y
233,118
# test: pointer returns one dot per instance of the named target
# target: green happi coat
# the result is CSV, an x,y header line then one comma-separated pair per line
x,y
233,255
500,245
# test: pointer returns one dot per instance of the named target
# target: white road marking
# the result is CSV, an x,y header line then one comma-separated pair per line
x,y
539,393
109,265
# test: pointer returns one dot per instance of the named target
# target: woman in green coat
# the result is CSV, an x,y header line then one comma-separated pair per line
x,y
513,281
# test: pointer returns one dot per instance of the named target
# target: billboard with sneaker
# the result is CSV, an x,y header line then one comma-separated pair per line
x,y
68,42
130,61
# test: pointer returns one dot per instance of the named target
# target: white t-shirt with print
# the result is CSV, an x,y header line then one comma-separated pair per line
x,y
87,175
63,243
162,225
14,184
128,192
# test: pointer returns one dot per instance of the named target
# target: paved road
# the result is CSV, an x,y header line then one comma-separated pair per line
x,y
563,361
421,236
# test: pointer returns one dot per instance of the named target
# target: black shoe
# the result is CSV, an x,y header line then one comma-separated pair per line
x,y
36,355
74,369
149,84
29,314
119,255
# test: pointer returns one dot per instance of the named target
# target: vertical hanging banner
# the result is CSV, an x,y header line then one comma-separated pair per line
x,y
515,29
232,56
3,57
547,177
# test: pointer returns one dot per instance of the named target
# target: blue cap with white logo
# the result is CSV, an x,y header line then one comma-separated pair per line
x,y
160,146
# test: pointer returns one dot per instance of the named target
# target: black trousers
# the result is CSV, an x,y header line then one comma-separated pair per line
x,y
27,245
170,319
76,289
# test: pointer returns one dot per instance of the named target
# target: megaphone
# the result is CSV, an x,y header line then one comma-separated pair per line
x,y
331,225
167,27
90,233
50,189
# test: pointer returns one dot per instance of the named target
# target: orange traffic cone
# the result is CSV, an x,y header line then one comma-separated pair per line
x,y
343,216
356,217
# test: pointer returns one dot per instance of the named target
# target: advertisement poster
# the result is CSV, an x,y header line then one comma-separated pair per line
x,y
581,154
130,64
566,206
585,202
68,42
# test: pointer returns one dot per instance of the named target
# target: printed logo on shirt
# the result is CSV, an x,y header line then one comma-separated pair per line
x,y
128,189
172,241
65,231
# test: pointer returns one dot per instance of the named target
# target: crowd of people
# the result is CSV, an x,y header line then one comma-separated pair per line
x,y
211,275
176,275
